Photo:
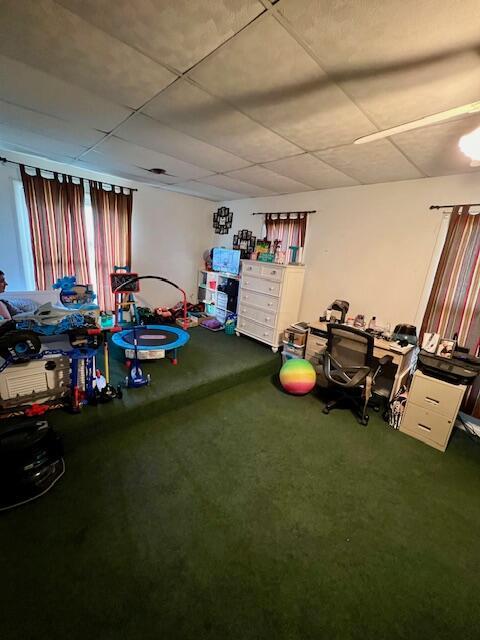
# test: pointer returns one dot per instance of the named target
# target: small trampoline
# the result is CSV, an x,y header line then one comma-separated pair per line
x,y
153,341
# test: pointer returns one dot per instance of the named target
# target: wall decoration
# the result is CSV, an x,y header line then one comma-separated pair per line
x,y
222,220
245,241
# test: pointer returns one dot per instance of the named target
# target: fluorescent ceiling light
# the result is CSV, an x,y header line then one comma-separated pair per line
x,y
435,118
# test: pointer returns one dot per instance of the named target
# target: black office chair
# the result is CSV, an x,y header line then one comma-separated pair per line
x,y
350,367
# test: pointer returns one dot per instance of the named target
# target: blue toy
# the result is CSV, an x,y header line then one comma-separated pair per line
x,y
76,296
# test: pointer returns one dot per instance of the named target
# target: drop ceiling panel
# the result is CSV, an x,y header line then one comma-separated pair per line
x,y
226,182
176,32
206,191
311,171
136,156
372,162
38,144
264,72
435,149
21,118
34,89
187,108
398,60
268,180
151,134
98,162
61,43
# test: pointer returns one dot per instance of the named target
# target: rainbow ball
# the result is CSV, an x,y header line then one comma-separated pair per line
x,y
297,376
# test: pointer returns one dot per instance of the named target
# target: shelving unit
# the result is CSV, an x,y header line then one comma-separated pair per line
x,y
217,290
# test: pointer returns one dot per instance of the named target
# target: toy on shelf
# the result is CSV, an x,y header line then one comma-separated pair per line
x,y
160,339
124,285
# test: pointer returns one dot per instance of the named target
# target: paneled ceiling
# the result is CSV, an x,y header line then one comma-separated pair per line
x,y
239,98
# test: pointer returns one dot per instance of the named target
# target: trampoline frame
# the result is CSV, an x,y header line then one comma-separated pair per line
x,y
182,338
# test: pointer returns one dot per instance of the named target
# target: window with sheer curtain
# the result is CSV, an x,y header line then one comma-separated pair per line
x,y
286,230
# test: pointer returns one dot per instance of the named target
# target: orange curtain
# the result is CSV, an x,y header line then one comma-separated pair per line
x,y
112,220
57,226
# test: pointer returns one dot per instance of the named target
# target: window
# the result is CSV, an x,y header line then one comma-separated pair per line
x,y
25,239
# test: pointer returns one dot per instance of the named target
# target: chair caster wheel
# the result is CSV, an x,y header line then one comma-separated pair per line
x,y
376,408
364,421
326,411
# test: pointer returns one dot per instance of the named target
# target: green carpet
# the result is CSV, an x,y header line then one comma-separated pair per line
x,y
249,514
208,363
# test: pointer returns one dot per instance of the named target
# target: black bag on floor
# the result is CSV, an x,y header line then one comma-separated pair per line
x,y
31,461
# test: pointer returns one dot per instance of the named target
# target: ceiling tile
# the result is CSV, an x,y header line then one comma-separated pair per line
x,y
27,142
269,180
435,149
151,134
311,171
141,158
206,191
238,186
371,162
264,72
21,118
103,164
47,36
178,33
187,108
34,89
398,60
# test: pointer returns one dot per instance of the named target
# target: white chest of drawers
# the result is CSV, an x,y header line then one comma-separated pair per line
x,y
268,300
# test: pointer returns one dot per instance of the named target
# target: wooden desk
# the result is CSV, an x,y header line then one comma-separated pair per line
x,y
387,384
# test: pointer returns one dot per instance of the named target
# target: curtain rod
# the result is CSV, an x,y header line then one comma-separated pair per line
x,y
280,213
30,166
452,206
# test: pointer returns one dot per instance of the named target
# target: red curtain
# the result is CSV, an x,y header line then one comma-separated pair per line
x,y
57,226
112,220
454,303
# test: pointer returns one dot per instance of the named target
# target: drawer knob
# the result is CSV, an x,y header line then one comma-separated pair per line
x,y
270,288
267,319
270,304
265,333
273,272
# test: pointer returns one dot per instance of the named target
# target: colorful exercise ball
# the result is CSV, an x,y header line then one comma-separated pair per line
x,y
297,376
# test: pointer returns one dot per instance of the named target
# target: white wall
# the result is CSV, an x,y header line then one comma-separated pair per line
x,y
373,245
170,232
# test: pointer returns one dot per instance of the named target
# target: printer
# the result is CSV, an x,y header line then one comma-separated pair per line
x,y
460,369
